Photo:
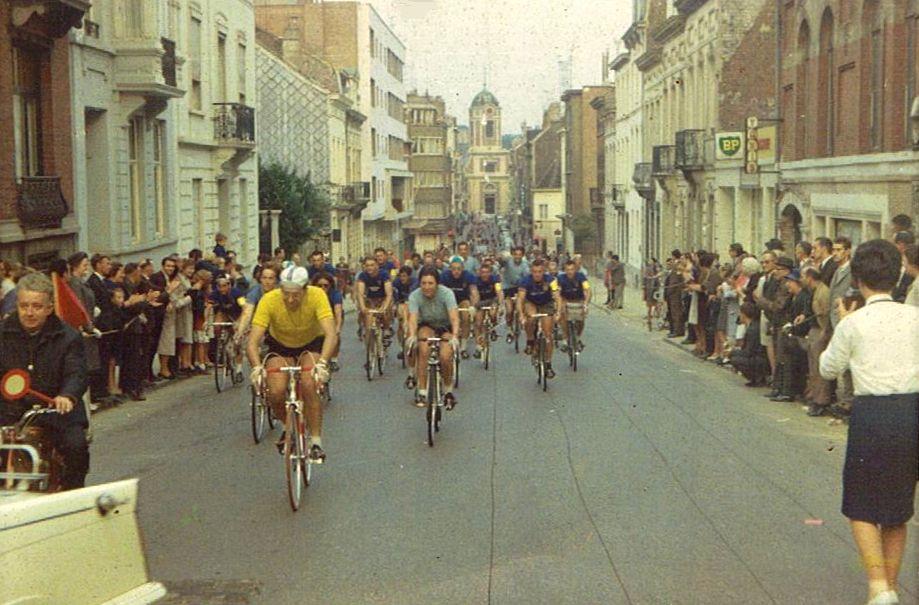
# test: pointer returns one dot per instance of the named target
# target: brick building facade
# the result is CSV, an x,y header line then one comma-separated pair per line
x,y
37,219
848,76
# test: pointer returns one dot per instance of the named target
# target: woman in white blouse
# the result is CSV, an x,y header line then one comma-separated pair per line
x,y
879,344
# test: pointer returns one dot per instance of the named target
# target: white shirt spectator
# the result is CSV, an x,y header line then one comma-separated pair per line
x,y
879,343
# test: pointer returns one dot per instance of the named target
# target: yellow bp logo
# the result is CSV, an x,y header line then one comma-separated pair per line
x,y
729,145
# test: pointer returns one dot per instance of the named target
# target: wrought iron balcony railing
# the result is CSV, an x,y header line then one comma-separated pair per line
x,y
40,203
690,152
234,123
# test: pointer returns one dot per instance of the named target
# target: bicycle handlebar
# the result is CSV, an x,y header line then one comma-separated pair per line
x,y
288,369
223,323
538,315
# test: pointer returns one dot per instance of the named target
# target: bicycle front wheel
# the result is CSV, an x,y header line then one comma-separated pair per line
x,y
431,416
259,413
368,364
220,367
294,459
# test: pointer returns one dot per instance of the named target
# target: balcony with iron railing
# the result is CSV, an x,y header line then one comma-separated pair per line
x,y
690,150
234,125
40,202
664,160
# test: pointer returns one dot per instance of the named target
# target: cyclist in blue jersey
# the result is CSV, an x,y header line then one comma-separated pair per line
x,y
403,285
538,293
374,291
327,282
318,264
491,294
267,281
386,264
514,270
462,283
574,288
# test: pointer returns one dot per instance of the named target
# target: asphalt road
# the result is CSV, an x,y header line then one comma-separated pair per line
x,y
647,477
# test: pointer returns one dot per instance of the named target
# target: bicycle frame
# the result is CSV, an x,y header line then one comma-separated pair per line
x,y
10,436
435,388
541,348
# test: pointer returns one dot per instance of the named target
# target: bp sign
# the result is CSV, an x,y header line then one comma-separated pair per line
x,y
729,145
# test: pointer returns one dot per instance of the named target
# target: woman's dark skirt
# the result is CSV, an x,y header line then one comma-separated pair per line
x,y
882,459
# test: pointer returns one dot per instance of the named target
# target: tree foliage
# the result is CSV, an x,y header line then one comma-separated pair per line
x,y
304,206
584,228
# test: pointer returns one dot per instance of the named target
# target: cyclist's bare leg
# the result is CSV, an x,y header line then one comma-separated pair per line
x,y
421,359
479,320
310,396
529,309
464,321
446,362
277,385
548,325
564,320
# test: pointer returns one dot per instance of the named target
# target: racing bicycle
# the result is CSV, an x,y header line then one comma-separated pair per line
x,y
375,358
226,364
435,401
574,313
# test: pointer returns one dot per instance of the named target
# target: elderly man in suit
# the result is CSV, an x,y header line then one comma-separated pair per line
x,y
818,337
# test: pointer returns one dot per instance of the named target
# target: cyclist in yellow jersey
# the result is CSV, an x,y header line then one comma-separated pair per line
x,y
297,324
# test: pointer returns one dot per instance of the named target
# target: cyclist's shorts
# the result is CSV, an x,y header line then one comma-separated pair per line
x,y
293,352
574,311
548,308
374,303
439,331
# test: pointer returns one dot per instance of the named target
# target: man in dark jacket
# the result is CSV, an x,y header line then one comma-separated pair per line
x,y
776,305
35,340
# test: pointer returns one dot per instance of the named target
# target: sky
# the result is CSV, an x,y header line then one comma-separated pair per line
x,y
453,44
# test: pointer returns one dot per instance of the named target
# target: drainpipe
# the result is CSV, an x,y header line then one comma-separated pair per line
x,y
778,115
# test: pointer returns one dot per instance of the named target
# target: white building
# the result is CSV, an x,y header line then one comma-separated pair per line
x,y
164,133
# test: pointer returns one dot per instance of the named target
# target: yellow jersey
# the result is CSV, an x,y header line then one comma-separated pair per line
x,y
293,329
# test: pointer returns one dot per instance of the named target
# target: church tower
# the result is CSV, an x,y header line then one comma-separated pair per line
x,y
485,120
487,170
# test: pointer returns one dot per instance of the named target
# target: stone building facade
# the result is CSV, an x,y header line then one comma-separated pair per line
x,y
488,169
353,38
38,216
125,137
309,123
432,133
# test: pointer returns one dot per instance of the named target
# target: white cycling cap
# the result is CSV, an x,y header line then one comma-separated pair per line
x,y
294,276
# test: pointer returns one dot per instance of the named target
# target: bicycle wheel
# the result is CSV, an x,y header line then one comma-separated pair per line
x,y
456,369
486,353
542,363
368,363
259,413
516,336
572,345
431,416
381,352
220,363
293,458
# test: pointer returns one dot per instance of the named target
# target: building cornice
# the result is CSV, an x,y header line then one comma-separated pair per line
x,y
632,36
648,59
671,27
620,61
688,7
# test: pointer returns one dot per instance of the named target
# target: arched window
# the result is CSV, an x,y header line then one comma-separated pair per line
x,y
802,89
873,71
826,107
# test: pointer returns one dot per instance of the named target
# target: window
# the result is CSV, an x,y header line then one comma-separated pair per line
x,y
159,181
194,51
872,23
543,212
912,63
134,18
373,141
826,109
428,146
801,87
27,112
135,173
221,67
197,199
489,129
489,166
373,92
373,44
490,203
241,72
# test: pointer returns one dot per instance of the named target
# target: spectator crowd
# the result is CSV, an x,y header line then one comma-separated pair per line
x,y
770,316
